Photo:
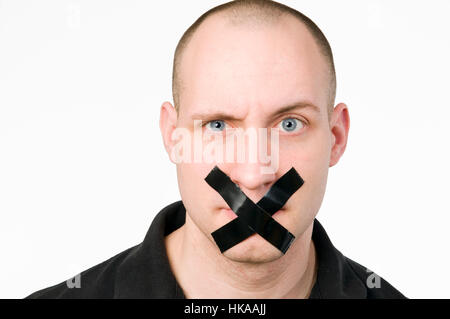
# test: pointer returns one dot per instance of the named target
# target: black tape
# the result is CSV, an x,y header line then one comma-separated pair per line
x,y
237,230
254,218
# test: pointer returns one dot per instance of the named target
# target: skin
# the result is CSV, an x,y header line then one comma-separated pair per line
x,y
251,73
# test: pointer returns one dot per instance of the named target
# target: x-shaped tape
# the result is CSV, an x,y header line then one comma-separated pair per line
x,y
254,218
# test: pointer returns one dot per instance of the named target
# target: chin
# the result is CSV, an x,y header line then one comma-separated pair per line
x,y
254,249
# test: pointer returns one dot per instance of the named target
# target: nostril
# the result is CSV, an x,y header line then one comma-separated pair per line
x,y
249,180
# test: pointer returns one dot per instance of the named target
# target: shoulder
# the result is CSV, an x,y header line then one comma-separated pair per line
x,y
95,282
376,286
142,271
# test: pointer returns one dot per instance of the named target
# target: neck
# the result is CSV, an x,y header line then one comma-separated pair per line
x,y
202,272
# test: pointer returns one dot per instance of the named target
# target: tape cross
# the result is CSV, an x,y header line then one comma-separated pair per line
x,y
254,218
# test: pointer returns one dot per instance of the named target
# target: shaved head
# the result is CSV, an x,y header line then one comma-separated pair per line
x,y
252,14
256,77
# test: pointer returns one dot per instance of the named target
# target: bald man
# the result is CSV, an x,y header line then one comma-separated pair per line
x,y
246,226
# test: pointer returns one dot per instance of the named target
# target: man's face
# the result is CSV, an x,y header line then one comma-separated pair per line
x,y
250,74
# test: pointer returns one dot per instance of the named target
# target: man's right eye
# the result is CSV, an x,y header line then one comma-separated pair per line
x,y
216,125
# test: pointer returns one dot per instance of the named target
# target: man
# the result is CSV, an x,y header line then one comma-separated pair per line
x,y
242,65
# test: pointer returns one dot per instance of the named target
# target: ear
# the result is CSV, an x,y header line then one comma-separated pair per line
x,y
167,124
339,126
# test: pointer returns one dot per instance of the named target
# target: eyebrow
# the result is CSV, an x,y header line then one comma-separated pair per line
x,y
230,117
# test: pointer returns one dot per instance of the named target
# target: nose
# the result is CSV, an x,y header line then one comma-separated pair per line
x,y
250,177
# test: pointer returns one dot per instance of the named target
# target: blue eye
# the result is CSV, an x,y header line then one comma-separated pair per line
x,y
290,124
216,125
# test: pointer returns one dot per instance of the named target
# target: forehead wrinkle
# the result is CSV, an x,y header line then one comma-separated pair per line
x,y
200,44
203,37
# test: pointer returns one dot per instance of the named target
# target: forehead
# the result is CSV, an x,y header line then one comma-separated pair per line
x,y
245,67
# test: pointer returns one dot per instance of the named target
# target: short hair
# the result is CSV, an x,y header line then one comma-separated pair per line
x,y
260,12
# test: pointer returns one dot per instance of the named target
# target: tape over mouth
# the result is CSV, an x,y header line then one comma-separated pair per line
x,y
254,218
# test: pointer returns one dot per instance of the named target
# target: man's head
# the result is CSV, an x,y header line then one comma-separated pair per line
x,y
239,67
253,14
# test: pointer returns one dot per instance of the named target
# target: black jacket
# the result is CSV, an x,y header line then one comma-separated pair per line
x,y
143,271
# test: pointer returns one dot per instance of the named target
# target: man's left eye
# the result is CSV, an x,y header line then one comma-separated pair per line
x,y
290,125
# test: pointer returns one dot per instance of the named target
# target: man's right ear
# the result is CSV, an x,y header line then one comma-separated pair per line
x,y
167,124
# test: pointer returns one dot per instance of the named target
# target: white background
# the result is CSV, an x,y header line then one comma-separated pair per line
x,y
82,165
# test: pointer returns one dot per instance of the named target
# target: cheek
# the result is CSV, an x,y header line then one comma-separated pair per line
x,y
191,180
195,193
310,157
309,154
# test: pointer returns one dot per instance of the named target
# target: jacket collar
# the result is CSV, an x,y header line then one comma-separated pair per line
x,y
147,266
335,277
